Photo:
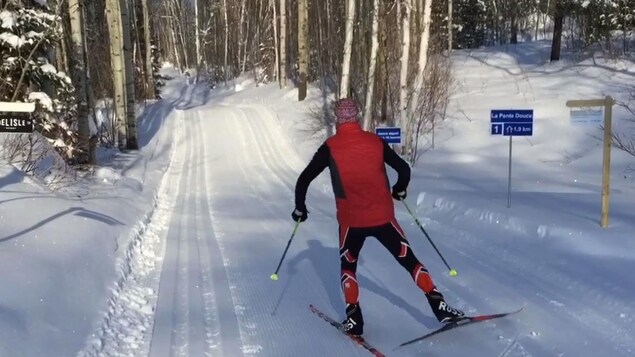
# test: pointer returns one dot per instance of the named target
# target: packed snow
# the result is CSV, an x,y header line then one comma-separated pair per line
x,y
43,98
168,251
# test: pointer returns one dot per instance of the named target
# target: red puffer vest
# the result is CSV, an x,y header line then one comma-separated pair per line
x,y
358,174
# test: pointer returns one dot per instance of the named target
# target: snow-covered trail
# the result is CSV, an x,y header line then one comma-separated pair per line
x,y
229,226
234,174
234,177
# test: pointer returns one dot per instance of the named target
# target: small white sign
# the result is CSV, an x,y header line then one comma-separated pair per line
x,y
17,107
586,117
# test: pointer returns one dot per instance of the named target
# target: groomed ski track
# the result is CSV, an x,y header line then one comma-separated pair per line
x,y
232,179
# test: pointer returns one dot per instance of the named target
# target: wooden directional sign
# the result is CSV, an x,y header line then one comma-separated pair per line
x,y
608,102
16,117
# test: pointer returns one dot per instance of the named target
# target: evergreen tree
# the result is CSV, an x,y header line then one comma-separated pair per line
x,y
28,30
470,17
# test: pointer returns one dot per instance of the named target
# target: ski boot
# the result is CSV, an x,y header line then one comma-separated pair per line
x,y
443,312
354,323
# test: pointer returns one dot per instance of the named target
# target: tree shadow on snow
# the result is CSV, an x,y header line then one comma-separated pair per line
x,y
12,177
325,261
78,211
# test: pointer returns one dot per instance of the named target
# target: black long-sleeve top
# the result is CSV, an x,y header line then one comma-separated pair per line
x,y
321,160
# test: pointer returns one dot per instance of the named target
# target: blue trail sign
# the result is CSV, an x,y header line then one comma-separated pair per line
x,y
512,122
390,135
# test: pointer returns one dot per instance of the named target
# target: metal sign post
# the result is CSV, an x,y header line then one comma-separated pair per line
x,y
16,117
607,103
512,123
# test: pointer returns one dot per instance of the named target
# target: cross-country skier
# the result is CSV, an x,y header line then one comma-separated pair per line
x,y
363,198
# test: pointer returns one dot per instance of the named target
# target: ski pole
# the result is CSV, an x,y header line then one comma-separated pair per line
x,y
452,271
274,276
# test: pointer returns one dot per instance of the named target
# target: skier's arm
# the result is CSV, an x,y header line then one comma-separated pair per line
x,y
399,165
319,162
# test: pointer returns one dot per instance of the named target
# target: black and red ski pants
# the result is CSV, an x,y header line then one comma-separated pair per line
x,y
392,237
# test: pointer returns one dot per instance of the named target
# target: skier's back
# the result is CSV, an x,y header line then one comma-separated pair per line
x,y
356,160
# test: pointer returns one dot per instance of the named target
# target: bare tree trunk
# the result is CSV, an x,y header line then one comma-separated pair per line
x,y
368,108
275,39
197,37
557,32
131,117
178,15
226,40
497,17
405,56
113,16
348,49
450,29
421,74
303,47
148,48
283,44
241,40
383,70
78,74
330,60
175,44
246,43
514,23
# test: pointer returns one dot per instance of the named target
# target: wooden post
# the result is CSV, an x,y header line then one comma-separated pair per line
x,y
607,103
606,159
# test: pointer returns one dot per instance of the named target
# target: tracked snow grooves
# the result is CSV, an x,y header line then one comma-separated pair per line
x,y
180,313
272,156
195,312
211,327
169,327
251,220
244,171
231,337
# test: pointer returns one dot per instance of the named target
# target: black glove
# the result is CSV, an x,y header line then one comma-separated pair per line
x,y
399,194
299,215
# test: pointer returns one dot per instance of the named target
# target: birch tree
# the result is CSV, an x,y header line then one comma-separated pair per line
x,y
450,29
421,73
348,49
113,16
368,108
405,56
226,39
128,56
148,50
78,74
303,47
241,40
275,40
283,44
197,39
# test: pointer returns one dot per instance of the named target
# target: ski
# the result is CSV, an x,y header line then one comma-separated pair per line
x,y
359,340
468,320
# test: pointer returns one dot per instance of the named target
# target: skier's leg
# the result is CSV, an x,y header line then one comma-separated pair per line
x,y
392,237
351,242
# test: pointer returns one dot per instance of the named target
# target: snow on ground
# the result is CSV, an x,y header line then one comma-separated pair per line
x,y
175,244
